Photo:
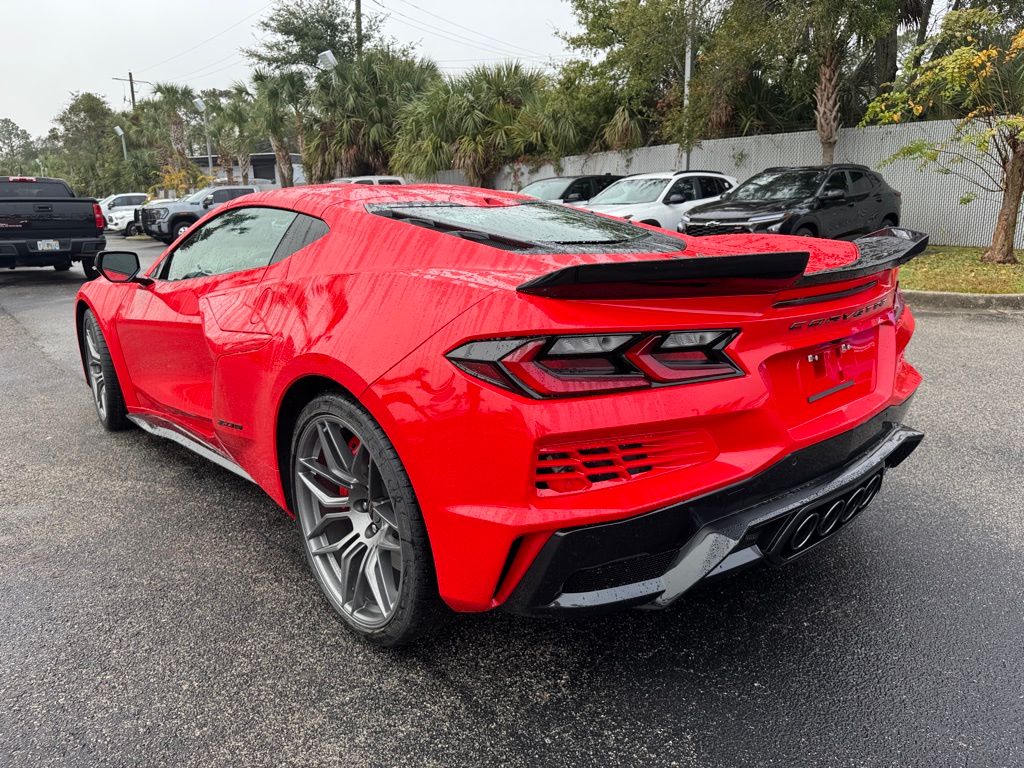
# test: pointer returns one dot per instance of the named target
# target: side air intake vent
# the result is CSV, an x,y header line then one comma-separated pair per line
x,y
569,468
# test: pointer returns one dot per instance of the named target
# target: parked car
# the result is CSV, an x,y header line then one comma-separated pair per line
x,y
167,220
119,211
701,411
386,180
660,199
836,201
568,189
43,224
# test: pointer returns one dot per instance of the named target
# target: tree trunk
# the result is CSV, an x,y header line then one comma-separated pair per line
x,y
826,105
244,166
1001,250
284,162
886,50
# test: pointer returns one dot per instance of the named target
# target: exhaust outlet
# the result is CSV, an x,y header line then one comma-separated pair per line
x,y
830,519
804,531
853,504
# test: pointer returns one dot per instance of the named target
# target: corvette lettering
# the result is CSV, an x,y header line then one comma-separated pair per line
x,y
838,318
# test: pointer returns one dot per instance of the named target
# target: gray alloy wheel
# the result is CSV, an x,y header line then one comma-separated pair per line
x,y
181,229
102,379
361,528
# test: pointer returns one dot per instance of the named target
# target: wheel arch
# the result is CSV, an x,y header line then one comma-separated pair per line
x,y
808,224
295,397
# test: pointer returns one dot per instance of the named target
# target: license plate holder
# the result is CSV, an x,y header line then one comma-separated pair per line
x,y
47,246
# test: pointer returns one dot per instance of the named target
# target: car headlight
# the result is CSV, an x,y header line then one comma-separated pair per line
x,y
767,218
160,213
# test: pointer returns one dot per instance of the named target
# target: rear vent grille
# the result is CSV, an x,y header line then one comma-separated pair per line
x,y
583,466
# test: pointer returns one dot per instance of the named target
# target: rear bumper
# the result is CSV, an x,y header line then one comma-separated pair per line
x,y
654,558
24,253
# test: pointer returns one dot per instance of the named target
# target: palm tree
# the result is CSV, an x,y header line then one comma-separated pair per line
x,y
355,112
239,112
275,118
173,105
480,121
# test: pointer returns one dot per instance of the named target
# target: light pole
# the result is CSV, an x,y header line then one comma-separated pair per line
x,y
124,145
327,60
201,106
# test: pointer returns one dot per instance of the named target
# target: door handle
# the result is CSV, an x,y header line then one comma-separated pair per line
x,y
43,208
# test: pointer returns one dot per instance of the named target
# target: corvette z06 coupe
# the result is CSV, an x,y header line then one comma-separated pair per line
x,y
474,399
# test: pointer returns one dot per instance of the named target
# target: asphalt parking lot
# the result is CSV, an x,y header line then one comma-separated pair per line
x,y
157,610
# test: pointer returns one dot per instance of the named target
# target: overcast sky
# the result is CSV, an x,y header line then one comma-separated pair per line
x,y
52,48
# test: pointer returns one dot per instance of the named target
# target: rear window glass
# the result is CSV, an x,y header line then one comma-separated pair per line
x,y
536,223
33,189
531,226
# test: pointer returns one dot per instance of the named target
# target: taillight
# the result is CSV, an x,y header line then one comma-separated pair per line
x,y
97,212
898,304
566,366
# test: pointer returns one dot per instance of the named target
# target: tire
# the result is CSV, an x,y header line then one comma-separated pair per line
x,y
372,560
805,232
131,230
62,267
178,228
101,376
89,268
889,221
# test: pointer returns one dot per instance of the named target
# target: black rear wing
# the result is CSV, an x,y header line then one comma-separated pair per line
x,y
757,273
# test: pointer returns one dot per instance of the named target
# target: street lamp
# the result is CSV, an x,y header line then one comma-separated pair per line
x,y
327,60
124,146
201,106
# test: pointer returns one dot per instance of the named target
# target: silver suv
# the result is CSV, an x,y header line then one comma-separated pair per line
x,y
167,220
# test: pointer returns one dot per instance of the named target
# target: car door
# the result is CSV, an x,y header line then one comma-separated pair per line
x,y
866,205
202,301
837,215
689,190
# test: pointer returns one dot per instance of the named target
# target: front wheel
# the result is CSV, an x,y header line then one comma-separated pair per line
x,y
805,232
131,230
99,368
179,229
361,527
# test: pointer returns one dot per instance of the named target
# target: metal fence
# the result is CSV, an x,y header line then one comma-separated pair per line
x,y
931,200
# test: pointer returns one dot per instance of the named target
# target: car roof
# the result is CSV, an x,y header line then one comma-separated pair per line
x,y
836,166
667,175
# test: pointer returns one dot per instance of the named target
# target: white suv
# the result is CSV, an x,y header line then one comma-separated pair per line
x,y
119,211
660,199
392,180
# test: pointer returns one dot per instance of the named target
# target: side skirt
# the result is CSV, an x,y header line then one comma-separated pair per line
x,y
169,431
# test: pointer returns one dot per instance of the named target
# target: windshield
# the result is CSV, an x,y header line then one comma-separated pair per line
x,y
779,185
630,191
197,197
546,189
528,223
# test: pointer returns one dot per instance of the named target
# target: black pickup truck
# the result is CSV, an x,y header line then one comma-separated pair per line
x,y
43,224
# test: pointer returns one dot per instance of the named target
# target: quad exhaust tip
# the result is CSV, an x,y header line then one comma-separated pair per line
x,y
816,523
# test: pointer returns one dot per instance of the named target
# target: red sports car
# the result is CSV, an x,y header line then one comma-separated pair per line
x,y
473,399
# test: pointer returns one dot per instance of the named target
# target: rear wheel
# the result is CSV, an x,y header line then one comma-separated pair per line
x,y
361,527
99,368
89,268
806,232
131,230
64,266
888,221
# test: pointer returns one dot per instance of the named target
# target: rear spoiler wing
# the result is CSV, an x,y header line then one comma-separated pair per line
x,y
757,273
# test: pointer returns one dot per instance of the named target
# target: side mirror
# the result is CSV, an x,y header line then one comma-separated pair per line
x,y
207,201
676,198
120,267
834,194
574,197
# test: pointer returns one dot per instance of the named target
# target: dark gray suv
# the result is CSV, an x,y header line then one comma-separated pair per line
x,y
836,201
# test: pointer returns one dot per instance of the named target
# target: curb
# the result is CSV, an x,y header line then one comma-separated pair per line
x,y
944,300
